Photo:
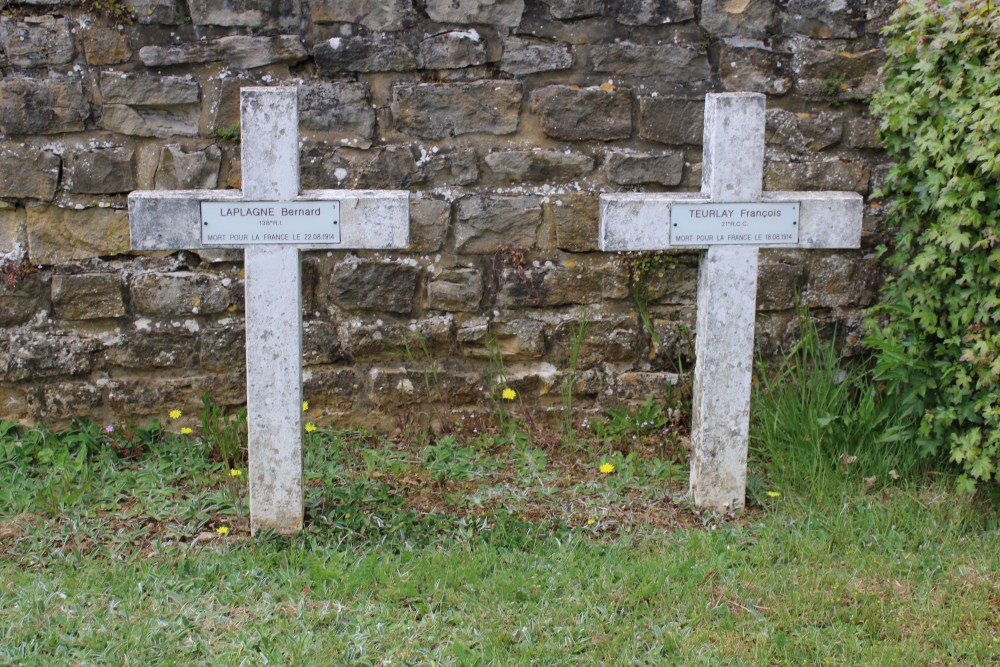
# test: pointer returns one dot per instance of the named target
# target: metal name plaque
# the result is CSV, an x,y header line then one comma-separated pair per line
x,y
734,224
270,223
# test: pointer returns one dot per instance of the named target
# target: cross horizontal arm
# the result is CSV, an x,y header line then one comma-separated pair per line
x,y
641,221
171,219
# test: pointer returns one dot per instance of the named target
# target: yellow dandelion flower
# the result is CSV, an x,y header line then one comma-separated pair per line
x,y
607,468
305,406
186,431
773,494
233,472
508,394
310,427
591,522
222,530
175,414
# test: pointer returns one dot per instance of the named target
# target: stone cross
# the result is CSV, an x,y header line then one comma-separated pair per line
x,y
273,222
731,218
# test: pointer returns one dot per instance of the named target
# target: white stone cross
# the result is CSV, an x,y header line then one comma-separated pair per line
x,y
731,218
177,220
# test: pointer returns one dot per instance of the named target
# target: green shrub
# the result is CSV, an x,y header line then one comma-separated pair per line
x,y
937,330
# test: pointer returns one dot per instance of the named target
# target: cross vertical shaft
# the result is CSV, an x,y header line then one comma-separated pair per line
x,y
270,163
732,171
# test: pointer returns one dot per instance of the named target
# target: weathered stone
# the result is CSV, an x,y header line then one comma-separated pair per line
x,y
87,296
150,121
374,285
241,51
13,229
379,338
538,165
516,338
105,46
490,12
456,167
575,9
436,111
159,348
654,12
574,220
749,19
182,293
609,339
804,131
671,120
46,354
42,106
833,74
342,112
584,114
243,13
224,347
320,343
100,170
165,12
452,50
333,389
821,19
389,167
456,290
428,224
23,301
486,224
754,70
382,52
58,235
119,88
524,56
833,174
862,131
781,279
37,41
27,172
66,400
666,62
638,168
575,281
181,169
838,280
376,15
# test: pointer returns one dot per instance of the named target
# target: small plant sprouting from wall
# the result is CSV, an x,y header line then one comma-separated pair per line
x,y
642,267
15,267
116,12
227,132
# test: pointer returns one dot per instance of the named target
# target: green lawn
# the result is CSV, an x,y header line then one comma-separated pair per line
x,y
476,550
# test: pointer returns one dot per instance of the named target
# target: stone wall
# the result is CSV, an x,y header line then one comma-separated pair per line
x,y
505,119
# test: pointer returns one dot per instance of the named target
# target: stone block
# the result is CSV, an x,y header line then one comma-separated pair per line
x,y
381,52
485,224
37,41
747,19
456,290
456,167
156,348
321,343
575,9
451,50
224,347
575,281
654,12
804,131
46,354
639,168
781,279
384,168
28,173
835,75
376,15
516,338
672,120
839,280
538,165
820,19
380,338
428,224
667,62
150,106
833,174
66,400
609,339
182,293
862,131
341,111
241,51
151,122
13,229
439,110
527,56
584,114
105,46
574,220
24,300
100,170
157,12
120,88
87,296
42,106
489,12
181,169
233,13
360,284
755,70
57,235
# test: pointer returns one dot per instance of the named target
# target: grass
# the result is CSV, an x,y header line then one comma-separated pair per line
x,y
482,547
